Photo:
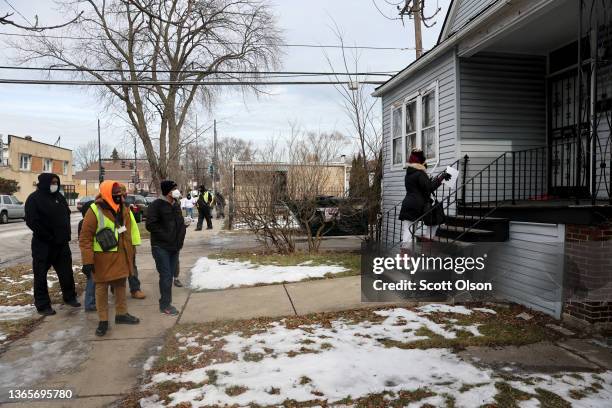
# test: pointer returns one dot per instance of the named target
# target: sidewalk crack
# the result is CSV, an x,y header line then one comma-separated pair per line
x,y
290,300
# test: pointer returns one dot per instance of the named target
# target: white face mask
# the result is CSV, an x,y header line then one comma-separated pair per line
x,y
176,194
54,188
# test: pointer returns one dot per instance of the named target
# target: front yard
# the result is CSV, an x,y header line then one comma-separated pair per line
x,y
392,356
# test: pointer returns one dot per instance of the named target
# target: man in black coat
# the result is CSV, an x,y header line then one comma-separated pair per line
x,y
48,216
167,226
204,211
220,204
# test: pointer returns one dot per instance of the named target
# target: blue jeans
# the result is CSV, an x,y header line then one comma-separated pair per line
x,y
134,281
89,299
165,262
189,212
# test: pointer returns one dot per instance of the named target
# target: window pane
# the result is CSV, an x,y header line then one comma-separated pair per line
x,y
14,200
429,109
411,117
397,123
6,199
429,143
397,150
410,144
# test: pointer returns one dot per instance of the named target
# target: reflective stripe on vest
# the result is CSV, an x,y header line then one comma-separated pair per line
x,y
108,223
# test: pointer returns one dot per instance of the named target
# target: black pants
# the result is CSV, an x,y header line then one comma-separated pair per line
x,y
204,213
44,256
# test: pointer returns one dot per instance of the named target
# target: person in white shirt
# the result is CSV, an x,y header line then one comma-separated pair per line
x,y
188,204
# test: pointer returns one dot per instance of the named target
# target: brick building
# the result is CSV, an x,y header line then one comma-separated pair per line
x,y
136,175
23,159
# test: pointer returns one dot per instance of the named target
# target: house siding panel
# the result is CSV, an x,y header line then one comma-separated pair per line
x,y
528,269
466,10
442,70
503,108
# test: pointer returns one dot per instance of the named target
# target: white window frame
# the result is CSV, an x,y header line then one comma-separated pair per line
x,y
395,108
44,165
29,166
418,98
66,167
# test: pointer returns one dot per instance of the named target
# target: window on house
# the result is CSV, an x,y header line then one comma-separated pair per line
x,y
66,166
420,126
411,127
397,135
47,165
428,125
25,162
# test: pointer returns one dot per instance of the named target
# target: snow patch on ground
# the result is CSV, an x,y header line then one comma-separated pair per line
x,y
221,274
439,308
347,358
16,312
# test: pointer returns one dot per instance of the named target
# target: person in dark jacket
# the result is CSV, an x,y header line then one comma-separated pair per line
x,y
419,187
167,226
48,216
219,204
204,204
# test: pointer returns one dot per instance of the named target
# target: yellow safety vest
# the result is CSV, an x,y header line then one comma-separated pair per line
x,y
108,223
209,197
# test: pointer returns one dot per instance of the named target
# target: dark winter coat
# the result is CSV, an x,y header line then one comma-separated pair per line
x,y
166,224
47,214
220,200
419,187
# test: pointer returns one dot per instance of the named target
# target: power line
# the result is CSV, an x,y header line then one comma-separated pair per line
x,y
360,47
287,73
178,83
18,12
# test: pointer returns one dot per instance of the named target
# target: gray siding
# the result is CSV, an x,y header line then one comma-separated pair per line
x,y
443,71
503,108
466,10
528,269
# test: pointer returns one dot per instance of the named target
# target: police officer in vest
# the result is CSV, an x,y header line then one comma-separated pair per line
x,y
204,204
108,239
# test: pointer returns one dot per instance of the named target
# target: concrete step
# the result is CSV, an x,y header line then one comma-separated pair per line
x,y
500,226
465,234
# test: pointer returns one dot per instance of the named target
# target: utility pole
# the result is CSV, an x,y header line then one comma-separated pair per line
x,y
100,172
197,157
214,172
415,11
136,178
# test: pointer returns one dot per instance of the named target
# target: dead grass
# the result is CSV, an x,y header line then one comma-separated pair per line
x,y
16,285
16,290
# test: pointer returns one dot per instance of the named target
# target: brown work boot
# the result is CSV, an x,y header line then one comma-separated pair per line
x,y
138,294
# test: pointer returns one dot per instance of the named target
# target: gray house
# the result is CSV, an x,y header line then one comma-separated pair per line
x,y
517,95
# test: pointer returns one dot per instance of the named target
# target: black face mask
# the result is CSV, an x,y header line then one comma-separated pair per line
x,y
117,199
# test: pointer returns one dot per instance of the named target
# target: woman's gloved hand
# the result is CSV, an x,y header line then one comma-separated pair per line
x,y
88,270
446,176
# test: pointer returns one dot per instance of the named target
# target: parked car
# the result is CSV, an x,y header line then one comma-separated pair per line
x,y
11,208
138,204
83,200
150,199
337,216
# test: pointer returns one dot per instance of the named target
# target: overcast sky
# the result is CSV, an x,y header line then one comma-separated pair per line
x,y
46,112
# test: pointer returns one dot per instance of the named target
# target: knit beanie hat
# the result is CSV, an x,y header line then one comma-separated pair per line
x,y
417,156
167,186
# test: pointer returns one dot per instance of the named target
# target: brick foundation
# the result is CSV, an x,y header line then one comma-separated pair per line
x,y
588,275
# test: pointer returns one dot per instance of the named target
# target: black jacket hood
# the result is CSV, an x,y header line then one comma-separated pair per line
x,y
44,181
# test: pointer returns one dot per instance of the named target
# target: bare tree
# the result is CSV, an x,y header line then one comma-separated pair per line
x,y
7,18
87,154
177,44
360,107
279,194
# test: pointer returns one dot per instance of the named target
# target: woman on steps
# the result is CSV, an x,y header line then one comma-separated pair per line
x,y
419,187
108,239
